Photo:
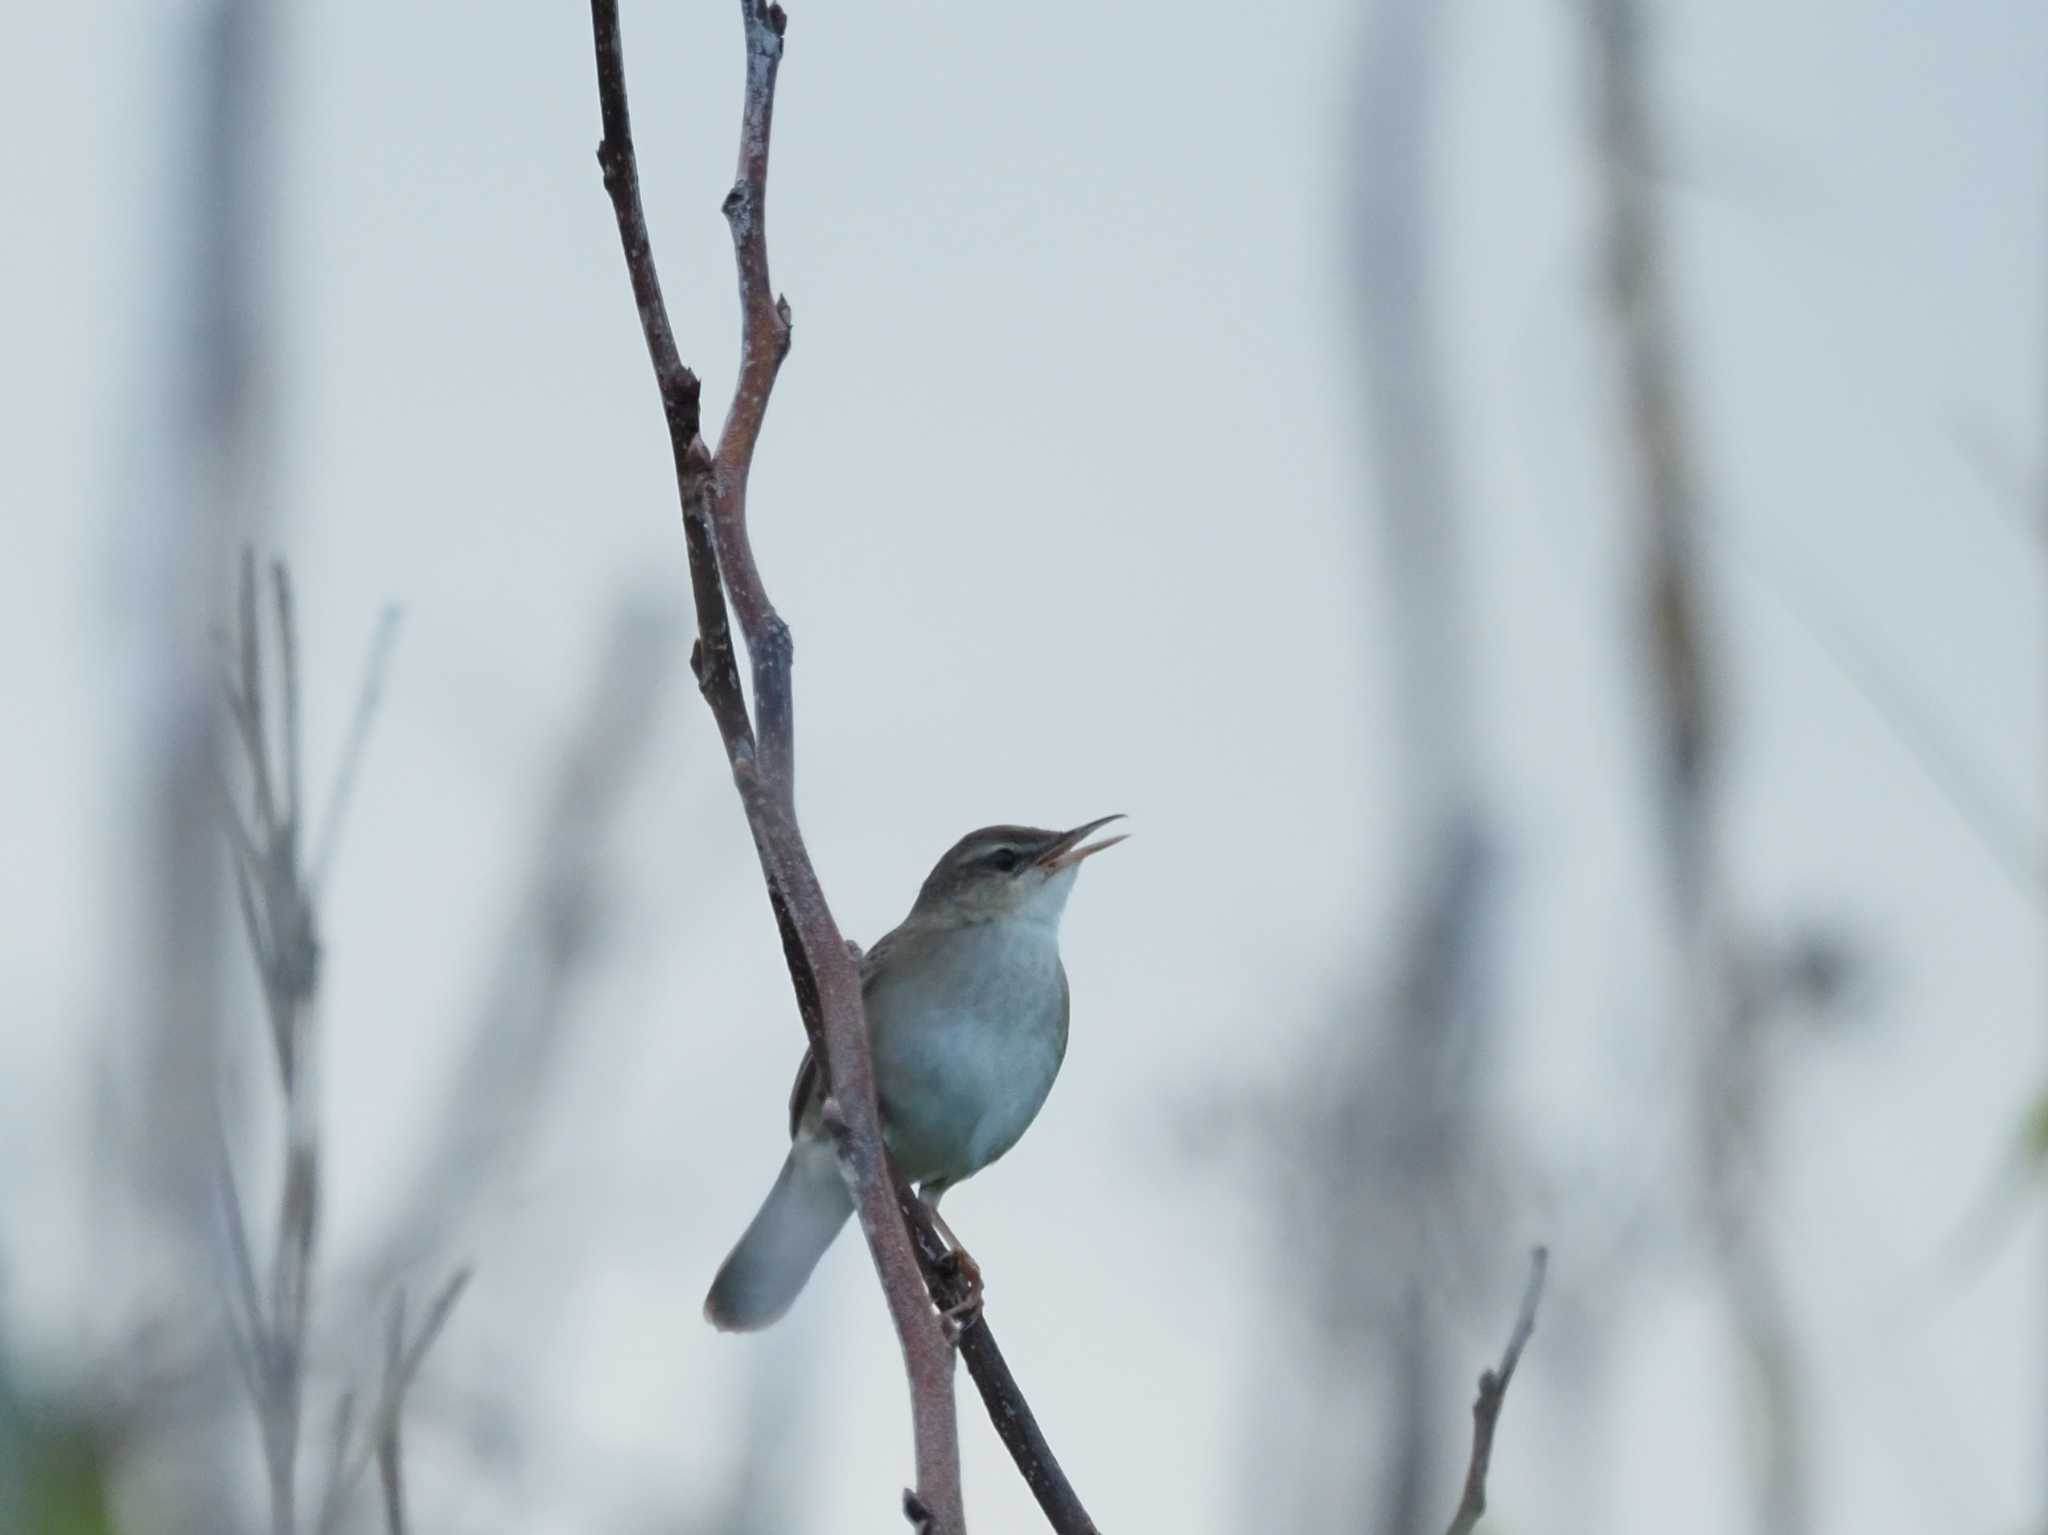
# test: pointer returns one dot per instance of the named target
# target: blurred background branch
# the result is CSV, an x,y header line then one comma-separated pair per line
x,y
526,1013
284,946
272,1330
1393,1147
1725,1007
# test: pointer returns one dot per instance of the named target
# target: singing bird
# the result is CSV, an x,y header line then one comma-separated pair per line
x,y
967,1017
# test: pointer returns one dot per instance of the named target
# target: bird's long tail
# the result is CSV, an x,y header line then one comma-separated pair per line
x,y
767,1269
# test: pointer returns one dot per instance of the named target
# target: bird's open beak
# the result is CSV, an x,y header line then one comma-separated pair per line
x,y
1068,849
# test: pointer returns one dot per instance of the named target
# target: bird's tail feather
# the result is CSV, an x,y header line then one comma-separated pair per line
x,y
797,1222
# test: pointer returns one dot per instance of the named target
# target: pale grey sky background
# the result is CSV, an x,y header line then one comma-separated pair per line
x,y
1064,491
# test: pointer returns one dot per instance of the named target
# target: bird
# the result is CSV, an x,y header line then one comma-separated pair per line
x,y
967,1007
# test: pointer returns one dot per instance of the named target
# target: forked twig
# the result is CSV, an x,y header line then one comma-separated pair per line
x,y
761,746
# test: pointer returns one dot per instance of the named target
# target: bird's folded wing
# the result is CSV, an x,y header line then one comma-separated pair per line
x,y
809,1086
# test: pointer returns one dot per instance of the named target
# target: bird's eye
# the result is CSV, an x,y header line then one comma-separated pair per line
x,y
1004,859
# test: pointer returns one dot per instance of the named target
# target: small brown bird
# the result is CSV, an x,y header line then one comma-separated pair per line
x,y
967,1016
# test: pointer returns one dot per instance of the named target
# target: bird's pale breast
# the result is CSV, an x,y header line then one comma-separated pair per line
x,y
969,1032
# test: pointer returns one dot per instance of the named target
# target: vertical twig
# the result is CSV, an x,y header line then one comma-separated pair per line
x,y
246,1327
382,642
337,1460
1493,1395
765,338
278,916
203,491
390,1455
2042,1110
761,748
288,654
1730,1115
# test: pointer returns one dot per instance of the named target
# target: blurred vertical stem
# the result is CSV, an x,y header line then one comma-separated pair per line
x,y
284,946
1420,1074
201,487
271,1325
215,481
1726,1010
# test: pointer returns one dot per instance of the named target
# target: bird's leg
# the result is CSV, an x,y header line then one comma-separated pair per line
x,y
930,1196
966,1311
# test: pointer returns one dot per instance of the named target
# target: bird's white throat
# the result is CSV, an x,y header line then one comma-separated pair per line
x,y
1043,906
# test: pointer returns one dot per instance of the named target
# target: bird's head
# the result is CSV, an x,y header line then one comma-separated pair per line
x,y
1008,871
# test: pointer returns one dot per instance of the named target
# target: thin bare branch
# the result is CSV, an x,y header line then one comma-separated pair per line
x,y
712,493
382,643
1999,825
277,914
430,1329
246,866
242,1261
1731,1119
1493,1394
248,700
298,1220
242,861
245,1304
390,1454
1014,1421
288,665
402,1361
242,1349
337,1461
764,342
